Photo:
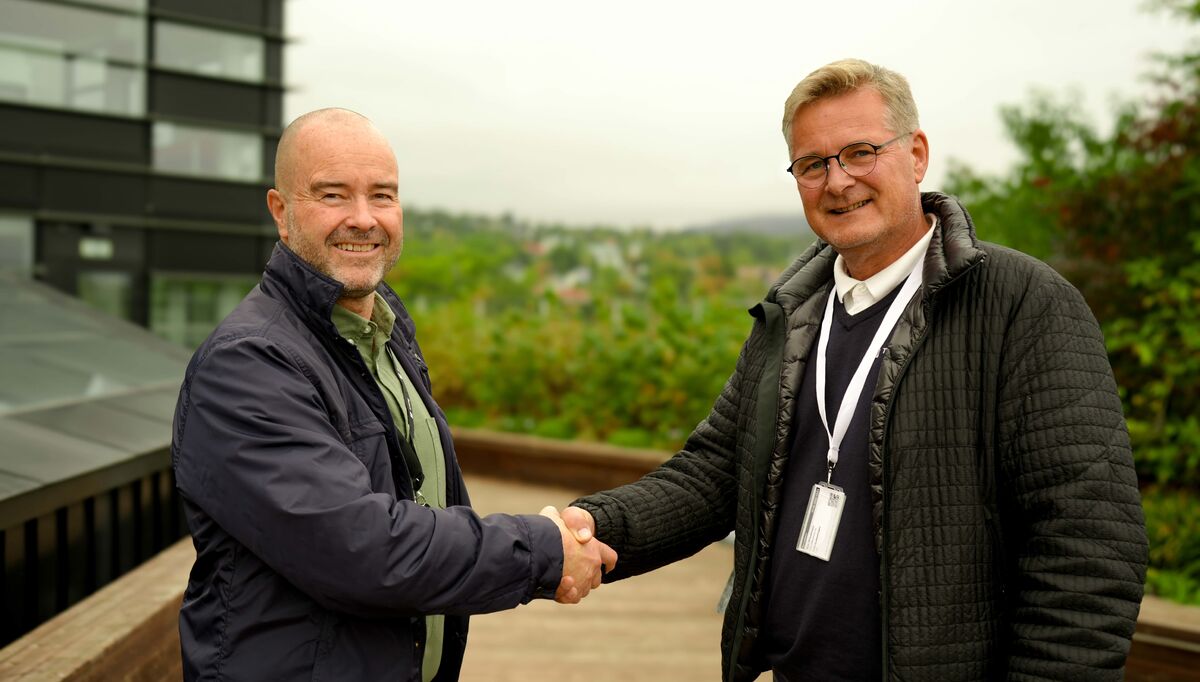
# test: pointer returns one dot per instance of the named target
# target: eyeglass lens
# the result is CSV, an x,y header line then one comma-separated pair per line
x,y
857,160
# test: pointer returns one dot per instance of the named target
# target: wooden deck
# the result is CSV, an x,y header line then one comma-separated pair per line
x,y
660,626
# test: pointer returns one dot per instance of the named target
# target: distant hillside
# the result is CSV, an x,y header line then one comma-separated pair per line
x,y
787,225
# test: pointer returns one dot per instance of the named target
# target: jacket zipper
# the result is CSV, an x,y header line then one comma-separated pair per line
x,y
883,485
776,325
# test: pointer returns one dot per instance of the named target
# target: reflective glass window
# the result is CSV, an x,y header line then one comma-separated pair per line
x,y
16,243
74,31
109,292
186,308
48,79
207,152
208,52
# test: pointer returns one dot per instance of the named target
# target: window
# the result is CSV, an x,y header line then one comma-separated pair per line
x,y
108,292
73,31
208,152
208,52
63,56
186,308
16,244
70,82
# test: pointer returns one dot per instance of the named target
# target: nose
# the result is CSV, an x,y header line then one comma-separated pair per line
x,y
837,179
361,216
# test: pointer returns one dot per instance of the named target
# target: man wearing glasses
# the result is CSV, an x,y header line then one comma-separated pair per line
x,y
921,448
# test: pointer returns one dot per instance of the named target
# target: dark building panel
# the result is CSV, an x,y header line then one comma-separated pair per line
x,y
19,584
88,191
65,134
203,200
104,542
66,260
249,13
265,246
274,19
49,568
274,104
198,252
73,532
270,145
13,587
143,497
125,538
274,61
206,99
18,186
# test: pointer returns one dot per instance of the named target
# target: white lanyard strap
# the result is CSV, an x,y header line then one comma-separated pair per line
x,y
855,387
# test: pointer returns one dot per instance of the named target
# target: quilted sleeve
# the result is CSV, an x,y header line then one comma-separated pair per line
x,y
687,503
1073,523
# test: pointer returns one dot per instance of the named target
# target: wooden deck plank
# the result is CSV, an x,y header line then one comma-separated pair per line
x,y
661,626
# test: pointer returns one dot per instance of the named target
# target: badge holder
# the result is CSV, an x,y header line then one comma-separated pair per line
x,y
821,520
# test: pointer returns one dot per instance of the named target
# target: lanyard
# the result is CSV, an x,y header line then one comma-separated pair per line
x,y
855,387
408,410
401,379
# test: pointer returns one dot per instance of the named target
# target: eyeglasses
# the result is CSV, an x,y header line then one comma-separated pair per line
x,y
857,159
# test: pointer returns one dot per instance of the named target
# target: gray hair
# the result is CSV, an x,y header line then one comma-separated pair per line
x,y
848,75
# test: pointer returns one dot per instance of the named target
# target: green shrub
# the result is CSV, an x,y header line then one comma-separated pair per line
x,y
1173,527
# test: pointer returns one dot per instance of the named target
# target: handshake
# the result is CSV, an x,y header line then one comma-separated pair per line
x,y
585,559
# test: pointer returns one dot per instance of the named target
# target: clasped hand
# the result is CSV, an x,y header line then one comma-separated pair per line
x,y
584,556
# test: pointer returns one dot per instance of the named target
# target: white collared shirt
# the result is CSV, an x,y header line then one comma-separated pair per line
x,y
858,295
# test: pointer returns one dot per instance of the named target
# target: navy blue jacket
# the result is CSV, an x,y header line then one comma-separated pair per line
x,y
312,561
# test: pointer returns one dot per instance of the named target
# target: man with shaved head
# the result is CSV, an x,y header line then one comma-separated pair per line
x,y
332,529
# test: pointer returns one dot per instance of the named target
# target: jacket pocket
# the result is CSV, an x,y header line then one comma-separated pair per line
x,y
368,442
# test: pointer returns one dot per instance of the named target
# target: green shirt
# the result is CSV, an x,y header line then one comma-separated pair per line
x,y
370,338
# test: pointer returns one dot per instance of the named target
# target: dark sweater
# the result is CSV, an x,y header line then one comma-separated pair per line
x,y
822,620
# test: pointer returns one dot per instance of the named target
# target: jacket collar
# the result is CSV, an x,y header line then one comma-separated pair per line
x,y
956,249
953,250
306,288
313,294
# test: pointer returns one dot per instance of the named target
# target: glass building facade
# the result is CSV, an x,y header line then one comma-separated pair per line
x,y
136,144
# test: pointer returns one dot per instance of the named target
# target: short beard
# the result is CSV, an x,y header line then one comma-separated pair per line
x,y
316,257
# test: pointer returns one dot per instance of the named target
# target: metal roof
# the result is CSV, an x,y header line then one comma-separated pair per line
x,y
85,399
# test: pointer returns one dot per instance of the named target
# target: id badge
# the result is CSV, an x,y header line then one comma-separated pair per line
x,y
821,520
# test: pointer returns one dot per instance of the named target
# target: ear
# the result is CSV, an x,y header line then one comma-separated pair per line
x,y
278,208
920,152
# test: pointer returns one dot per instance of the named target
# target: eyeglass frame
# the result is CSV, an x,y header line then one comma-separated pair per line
x,y
825,160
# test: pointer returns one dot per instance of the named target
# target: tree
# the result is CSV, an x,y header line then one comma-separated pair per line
x,y
1120,217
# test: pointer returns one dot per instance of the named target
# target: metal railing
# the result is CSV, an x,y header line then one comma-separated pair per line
x,y
62,541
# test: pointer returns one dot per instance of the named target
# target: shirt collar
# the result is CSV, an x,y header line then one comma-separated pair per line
x,y
355,328
880,284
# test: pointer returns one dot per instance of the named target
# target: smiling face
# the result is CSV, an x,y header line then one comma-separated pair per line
x,y
871,220
336,203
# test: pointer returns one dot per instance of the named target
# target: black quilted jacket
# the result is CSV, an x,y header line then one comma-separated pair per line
x,y
1007,513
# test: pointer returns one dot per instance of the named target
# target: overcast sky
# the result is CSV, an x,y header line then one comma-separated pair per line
x,y
668,113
